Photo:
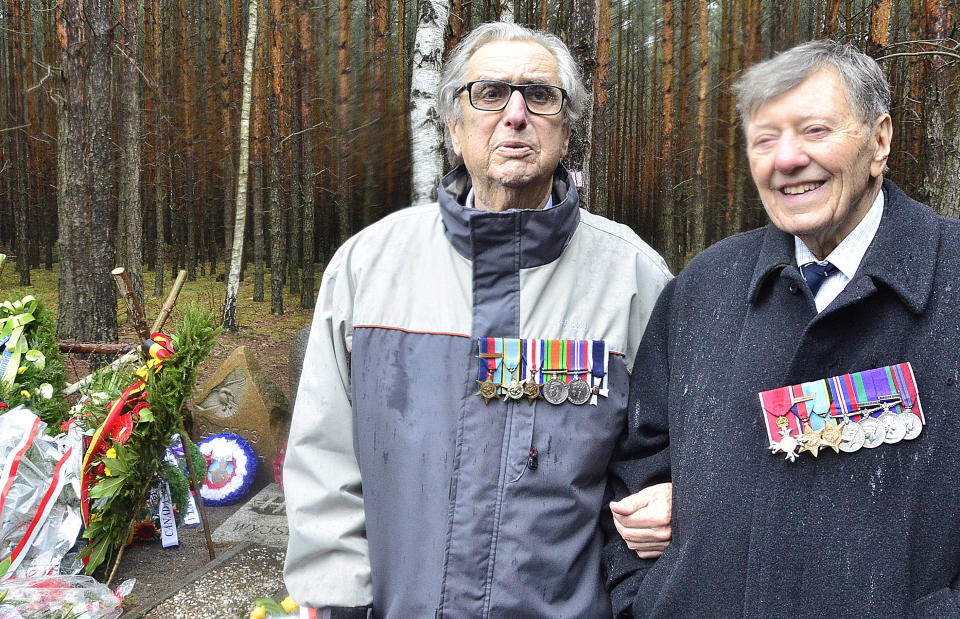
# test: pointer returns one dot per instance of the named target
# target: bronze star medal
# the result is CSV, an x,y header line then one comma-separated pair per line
x,y
811,441
531,389
831,436
487,390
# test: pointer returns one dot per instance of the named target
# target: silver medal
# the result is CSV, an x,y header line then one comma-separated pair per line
x,y
913,424
893,427
852,438
555,391
872,432
578,391
514,389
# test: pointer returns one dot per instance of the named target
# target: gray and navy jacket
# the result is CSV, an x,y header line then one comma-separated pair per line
x,y
404,489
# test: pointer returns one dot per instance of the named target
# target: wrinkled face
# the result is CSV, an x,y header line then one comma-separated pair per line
x,y
512,148
816,166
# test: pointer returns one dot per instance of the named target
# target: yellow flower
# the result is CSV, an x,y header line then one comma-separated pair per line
x,y
289,605
21,369
258,612
25,393
107,472
111,453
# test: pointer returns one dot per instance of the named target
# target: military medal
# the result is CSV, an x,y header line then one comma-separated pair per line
x,y
531,386
787,444
555,389
598,370
832,436
511,363
489,364
903,379
894,428
851,437
872,432
578,391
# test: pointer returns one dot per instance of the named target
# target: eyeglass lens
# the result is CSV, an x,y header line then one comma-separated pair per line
x,y
493,96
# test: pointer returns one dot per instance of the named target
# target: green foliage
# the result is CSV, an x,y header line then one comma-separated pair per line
x,y
41,336
141,457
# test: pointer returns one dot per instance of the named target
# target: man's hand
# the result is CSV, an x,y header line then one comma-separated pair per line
x,y
643,520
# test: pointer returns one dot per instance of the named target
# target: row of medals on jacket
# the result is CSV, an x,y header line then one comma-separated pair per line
x,y
849,436
554,391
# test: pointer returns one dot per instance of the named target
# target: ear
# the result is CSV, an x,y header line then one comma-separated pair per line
x,y
566,140
454,138
882,137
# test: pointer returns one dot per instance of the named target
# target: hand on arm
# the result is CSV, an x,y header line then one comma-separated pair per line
x,y
643,520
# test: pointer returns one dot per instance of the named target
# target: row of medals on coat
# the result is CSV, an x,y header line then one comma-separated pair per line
x,y
565,385
840,433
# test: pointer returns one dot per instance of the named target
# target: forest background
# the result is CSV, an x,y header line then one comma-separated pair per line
x,y
200,134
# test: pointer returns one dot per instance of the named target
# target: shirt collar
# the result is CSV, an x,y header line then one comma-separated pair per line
x,y
902,256
848,255
469,201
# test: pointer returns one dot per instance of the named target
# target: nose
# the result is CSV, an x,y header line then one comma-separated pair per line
x,y
515,114
790,155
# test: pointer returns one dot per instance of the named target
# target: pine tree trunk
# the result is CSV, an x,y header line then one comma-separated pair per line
x,y
426,133
243,167
583,46
941,120
667,155
100,324
307,140
879,27
75,290
599,183
18,137
130,129
701,198
277,161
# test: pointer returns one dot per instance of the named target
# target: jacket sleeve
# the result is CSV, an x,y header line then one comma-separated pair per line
x,y
327,563
643,455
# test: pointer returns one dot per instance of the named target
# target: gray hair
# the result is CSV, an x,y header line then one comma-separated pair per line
x,y
454,73
867,90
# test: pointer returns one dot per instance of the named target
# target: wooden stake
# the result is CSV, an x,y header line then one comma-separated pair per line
x,y
134,309
170,302
193,479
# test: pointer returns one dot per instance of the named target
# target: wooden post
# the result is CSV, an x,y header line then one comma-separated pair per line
x,y
170,302
134,309
193,479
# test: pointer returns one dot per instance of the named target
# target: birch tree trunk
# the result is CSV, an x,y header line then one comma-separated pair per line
x,y
243,169
426,131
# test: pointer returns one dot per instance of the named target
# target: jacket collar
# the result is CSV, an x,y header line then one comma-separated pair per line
x,y
902,256
543,234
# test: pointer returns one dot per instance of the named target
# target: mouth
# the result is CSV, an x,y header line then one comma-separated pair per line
x,y
801,188
515,148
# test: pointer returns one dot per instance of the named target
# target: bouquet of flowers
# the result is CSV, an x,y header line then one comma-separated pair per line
x,y
31,368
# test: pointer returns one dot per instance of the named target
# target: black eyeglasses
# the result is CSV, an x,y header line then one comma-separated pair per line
x,y
493,96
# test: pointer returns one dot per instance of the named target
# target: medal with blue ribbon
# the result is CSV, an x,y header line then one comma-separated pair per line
x,y
512,359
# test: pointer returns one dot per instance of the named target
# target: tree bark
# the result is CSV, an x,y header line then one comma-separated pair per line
x,y
941,120
18,153
583,46
701,198
130,136
426,133
278,159
307,140
100,324
599,182
233,279
667,155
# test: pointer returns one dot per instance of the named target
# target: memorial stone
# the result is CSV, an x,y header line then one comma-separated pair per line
x,y
240,398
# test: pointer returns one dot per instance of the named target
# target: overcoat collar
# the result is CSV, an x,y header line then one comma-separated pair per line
x,y
543,234
902,256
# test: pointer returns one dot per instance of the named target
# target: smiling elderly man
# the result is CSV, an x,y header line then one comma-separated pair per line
x,y
466,377
851,276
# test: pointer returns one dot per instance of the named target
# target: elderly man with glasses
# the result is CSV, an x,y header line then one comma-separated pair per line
x,y
465,382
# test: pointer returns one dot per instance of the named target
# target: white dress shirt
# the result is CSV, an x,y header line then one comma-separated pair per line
x,y
846,256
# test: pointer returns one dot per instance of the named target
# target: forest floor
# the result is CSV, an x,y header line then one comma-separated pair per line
x,y
268,336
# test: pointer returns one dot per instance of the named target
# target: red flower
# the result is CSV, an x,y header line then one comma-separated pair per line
x,y
122,428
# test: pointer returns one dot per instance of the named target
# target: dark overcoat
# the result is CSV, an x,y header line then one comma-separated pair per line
x,y
875,533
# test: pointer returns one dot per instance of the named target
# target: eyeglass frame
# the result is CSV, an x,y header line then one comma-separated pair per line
x,y
522,88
